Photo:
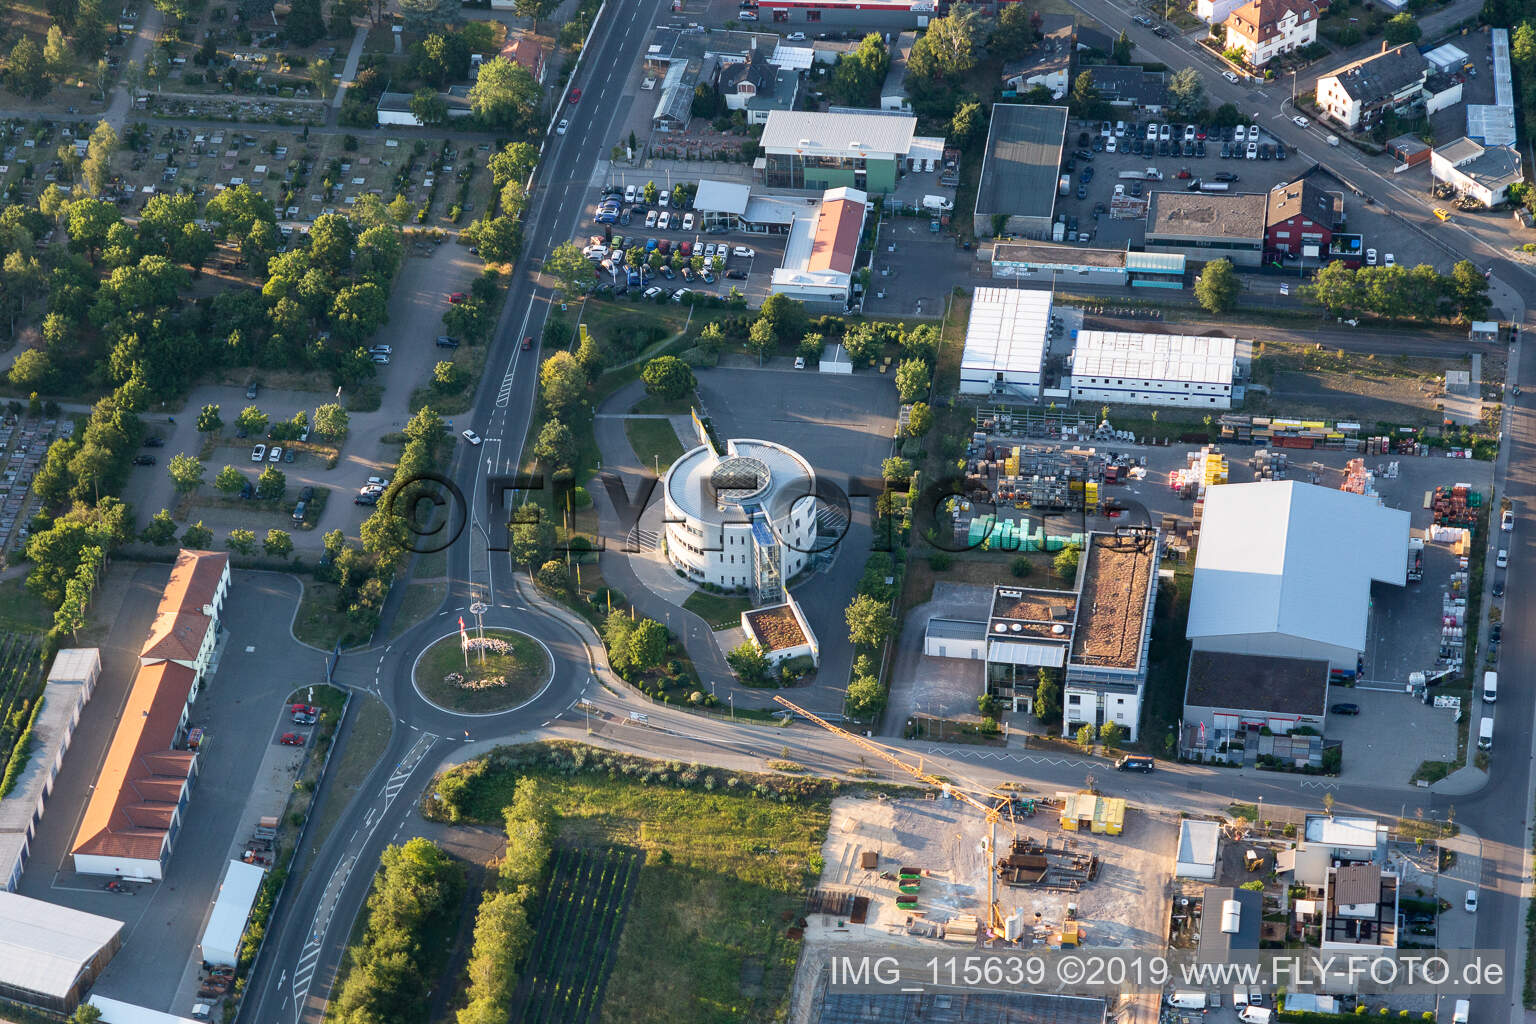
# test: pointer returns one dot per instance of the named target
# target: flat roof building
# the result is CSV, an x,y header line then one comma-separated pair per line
x,y
1019,171
1208,225
231,912
1199,849
822,150
50,954
71,681
822,250
1153,369
1005,342
1285,569
1484,173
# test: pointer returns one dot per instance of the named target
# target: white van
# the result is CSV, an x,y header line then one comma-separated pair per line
x,y
1239,999
1256,1015
1490,687
1463,1009
1188,999
1485,734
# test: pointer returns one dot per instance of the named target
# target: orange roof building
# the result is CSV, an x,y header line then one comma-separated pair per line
x,y
820,254
135,809
526,51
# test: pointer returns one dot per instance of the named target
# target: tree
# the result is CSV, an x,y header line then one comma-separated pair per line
x,y
556,445
1123,48
1401,28
1085,100
331,421
668,377
749,663
429,106
197,537
1047,702
229,480
968,124
760,339
252,420
866,697
305,24
896,469
553,576
948,48
87,223
422,16
1014,33
869,621
513,162
208,419
271,485
647,644
533,10
856,77
571,269
505,94
787,316
919,419
186,472
1085,737
241,542
33,372
1066,561
1186,91
85,1013
1467,290
277,544
911,379
1522,43
532,536
1217,287
562,382
28,70
358,311
1336,288
1109,735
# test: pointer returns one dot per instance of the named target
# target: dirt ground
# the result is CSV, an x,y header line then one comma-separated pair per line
x,y
1322,383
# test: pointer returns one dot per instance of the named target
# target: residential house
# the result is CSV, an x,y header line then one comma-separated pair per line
x,y
1360,93
1264,29
525,50
1299,220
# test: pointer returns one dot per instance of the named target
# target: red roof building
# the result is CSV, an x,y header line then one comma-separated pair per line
x,y
525,50
1300,215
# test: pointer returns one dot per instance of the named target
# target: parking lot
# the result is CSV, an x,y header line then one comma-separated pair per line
x,y
756,270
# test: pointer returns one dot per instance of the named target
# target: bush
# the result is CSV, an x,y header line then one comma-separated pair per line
x,y
1020,567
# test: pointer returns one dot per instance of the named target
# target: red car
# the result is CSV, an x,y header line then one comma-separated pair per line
x,y
458,297
292,739
303,709
575,97
686,249
527,344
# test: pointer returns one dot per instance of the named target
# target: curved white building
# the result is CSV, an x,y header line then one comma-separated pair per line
x,y
744,519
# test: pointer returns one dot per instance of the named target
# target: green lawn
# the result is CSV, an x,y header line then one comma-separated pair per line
x,y
525,668
721,611
654,441
21,610
664,406
365,742
420,601
319,621
728,861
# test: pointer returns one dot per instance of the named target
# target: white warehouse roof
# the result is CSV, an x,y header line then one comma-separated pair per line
x,y
115,1011
231,910
1006,333
1199,842
1180,358
816,133
1296,559
44,946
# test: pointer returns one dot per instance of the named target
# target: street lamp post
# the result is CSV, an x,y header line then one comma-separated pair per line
x,y
730,699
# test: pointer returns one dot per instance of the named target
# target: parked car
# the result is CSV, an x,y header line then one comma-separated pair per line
x,y
258,453
291,739
307,493
1370,257
1344,709
154,441
444,341
1388,260
1229,76
304,719
799,362
275,453
1299,121
288,455
736,274
457,297
143,460
1503,559
1471,901
251,389
298,511
687,222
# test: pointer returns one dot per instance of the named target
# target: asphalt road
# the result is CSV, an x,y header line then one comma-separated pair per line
x,y
308,936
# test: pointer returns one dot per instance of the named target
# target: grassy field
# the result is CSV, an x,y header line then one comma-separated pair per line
x,y
420,601
654,441
657,405
319,622
726,868
20,610
721,611
525,668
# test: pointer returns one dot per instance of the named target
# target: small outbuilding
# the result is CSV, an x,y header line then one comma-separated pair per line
x,y
836,360
1484,330
1199,849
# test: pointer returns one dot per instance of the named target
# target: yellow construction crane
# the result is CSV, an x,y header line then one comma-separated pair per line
x,y
991,813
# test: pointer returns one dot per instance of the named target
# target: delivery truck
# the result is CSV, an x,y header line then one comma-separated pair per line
x,y
1415,559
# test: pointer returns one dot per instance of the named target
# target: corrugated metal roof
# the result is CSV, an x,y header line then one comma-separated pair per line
x,y
722,197
1013,652
1007,330
231,910
1155,357
813,133
45,946
1162,262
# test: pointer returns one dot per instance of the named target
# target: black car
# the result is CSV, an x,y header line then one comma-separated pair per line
x,y
366,499
1279,151
1199,149
1225,176
251,389
306,494
143,460
1344,709
736,274
444,341
1496,632
1162,147
154,441
1498,589
247,491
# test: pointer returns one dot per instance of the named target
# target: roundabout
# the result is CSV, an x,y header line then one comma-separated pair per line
x,y
488,674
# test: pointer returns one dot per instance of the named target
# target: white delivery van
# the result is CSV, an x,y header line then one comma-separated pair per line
x,y
1188,999
1485,734
1333,140
931,202
1490,687
1256,1015
1463,1009
1239,998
